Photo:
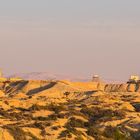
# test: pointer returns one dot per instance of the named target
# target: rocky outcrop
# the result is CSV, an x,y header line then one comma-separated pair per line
x,y
131,88
138,88
122,88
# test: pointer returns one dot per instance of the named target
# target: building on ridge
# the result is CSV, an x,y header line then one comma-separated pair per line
x,y
96,78
134,79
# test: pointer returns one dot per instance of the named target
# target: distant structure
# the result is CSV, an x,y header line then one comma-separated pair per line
x,y
96,78
1,75
12,79
2,79
15,79
134,79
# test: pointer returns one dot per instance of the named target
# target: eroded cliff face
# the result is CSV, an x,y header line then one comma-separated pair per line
x,y
122,88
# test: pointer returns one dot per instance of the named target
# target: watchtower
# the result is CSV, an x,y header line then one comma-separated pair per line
x,y
96,78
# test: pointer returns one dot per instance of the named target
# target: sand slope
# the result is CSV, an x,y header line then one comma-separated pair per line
x,y
69,110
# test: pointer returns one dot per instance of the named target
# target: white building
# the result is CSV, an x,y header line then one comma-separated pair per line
x,y
134,78
96,78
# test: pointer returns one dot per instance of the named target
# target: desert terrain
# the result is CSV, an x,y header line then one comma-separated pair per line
x,y
64,110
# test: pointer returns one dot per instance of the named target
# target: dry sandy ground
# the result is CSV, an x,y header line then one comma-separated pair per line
x,y
53,110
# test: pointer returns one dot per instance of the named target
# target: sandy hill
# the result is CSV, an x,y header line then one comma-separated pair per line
x,y
47,75
51,110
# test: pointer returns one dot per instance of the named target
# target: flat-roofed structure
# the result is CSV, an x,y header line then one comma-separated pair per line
x,y
96,78
134,79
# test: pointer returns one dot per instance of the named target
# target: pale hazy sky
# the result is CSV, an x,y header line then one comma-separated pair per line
x,y
73,37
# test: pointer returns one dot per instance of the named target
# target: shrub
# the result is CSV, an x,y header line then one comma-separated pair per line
x,y
95,114
79,138
65,134
16,132
17,116
56,108
40,118
136,135
61,115
5,114
70,126
36,107
137,107
52,117
55,128
93,132
116,133
52,107
43,133
67,94
73,122
38,125
32,136
77,113
22,109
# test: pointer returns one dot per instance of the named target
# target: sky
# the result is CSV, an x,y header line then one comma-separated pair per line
x,y
73,37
